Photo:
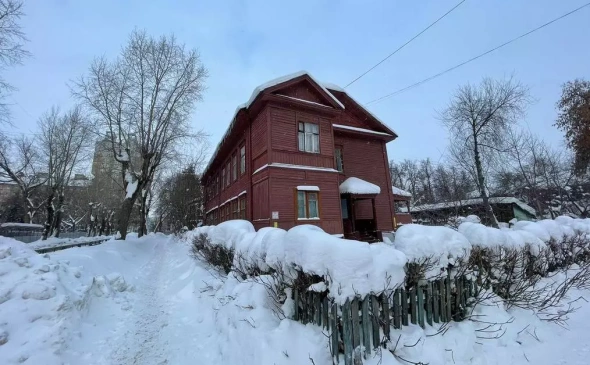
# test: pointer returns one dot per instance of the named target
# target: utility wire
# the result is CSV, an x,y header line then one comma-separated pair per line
x,y
476,57
405,44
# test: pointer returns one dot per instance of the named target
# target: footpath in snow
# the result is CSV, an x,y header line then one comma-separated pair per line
x,y
145,301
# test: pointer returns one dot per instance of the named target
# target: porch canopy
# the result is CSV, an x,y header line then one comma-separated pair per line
x,y
352,190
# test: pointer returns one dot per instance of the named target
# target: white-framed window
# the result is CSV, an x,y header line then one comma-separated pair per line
x,y
308,205
309,137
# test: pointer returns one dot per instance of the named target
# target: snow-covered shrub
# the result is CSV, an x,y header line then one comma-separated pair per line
x,y
432,251
216,255
303,254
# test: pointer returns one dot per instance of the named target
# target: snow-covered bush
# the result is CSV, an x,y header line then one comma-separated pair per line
x,y
302,256
432,251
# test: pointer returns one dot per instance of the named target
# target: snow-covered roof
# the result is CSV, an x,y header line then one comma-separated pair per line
x,y
325,86
460,203
363,130
22,225
354,185
401,192
330,86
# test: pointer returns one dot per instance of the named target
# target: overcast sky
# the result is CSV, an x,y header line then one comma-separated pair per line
x,y
246,43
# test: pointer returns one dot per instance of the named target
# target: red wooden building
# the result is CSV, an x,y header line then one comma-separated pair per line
x,y
287,157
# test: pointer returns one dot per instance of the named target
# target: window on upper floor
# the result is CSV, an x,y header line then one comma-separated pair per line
x,y
228,174
338,158
234,162
223,178
309,137
307,205
242,160
216,185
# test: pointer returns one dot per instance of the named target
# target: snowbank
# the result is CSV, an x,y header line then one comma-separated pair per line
x,y
57,242
41,301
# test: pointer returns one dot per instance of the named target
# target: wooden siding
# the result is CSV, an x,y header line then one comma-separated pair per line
x,y
259,138
283,190
304,91
367,160
260,200
284,124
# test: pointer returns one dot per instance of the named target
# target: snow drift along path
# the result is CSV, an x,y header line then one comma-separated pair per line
x,y
146,326
176,312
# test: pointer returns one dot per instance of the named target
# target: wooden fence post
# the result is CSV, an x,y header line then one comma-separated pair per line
x,y
347,333
354,315
325,313
448,301
404,299
385,314
420,303
375,320
397,316
442,293
366,325
435,302
429,304
335,332
412,293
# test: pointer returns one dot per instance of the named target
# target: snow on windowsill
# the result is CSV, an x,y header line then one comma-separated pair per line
x,y
308,188
308,219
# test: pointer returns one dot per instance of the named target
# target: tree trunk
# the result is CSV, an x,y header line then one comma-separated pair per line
x,y
482,189
143,212
50,211
58,215
124,215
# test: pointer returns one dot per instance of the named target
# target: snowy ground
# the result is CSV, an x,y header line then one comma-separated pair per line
x,y
145,301
57,242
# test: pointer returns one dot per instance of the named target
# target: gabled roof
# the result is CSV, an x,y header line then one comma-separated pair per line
x,y
324,87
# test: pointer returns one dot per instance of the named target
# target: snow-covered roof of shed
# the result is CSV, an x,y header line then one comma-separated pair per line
x,y
400,192
460,203
354,185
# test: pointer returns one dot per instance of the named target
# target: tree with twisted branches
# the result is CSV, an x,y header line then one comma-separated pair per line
x,y
144,100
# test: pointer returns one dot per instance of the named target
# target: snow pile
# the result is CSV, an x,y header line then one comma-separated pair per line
x,y
41,300
354,185
57,242
348,267
442,245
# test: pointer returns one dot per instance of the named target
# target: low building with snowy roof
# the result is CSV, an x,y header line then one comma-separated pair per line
x,y
302,152
505,208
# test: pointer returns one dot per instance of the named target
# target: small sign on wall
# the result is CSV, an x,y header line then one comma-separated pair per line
x,y
275,215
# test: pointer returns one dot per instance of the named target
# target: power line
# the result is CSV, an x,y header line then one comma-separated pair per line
x,y
476,57
405,44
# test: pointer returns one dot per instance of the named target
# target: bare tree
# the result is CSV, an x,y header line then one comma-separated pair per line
x,y
65,142
12,52
478,119
20,163
144,100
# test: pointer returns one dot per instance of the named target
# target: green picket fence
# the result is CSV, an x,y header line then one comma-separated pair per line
x,y
361,325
